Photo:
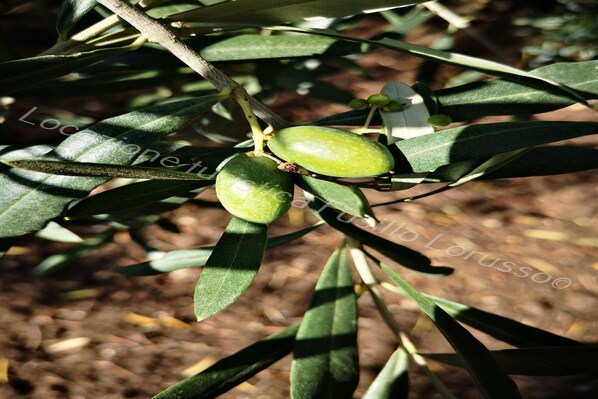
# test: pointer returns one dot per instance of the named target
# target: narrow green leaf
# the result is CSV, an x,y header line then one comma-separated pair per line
x,y
253,47
502,328
231,267
29,199
483,65
63,168
233,370
71,12
55,263
349,200
545,161
543,360
13,153
272,12
55,232
393,381
406,257
427,153
197,257
132,196
325,363
25,73
474,63
503,97
487,374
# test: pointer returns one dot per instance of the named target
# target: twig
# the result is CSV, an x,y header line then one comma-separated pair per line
x,y
84,35
460,23
371,283
158,33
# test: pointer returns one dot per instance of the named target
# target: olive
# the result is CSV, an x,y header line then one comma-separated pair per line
x,y
331,152
378,100
252,188
358,103
440,120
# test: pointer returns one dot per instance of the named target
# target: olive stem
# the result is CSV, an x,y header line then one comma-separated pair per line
x,y
371,284
158,33
369,118
242,98
86,34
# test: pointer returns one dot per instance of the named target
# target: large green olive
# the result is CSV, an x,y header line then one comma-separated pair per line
x,y
331,152
252,188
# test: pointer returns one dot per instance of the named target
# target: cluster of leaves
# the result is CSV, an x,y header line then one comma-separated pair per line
x,y
46,187
569,33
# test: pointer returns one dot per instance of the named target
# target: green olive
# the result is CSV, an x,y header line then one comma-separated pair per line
x,y
252,188
440,120
331,152
393,106
378,100
358,103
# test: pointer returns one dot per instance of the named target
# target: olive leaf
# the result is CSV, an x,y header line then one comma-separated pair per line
x,y
346,199
541,360
411,120
486,372
393,380
404,256
71,12
325,363
197,257
427,153
503,97
231,267
234,369
29,199
132,196
272,12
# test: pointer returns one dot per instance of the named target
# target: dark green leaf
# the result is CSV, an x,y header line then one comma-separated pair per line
x,y
71,11
503,97
487,374
233,370
63,168
325,363
252,47
393,381
345,199
272,12
478,64
29,72
544,360
544,161
404,256
55,263
197,257
427,153
132,196
29,199
502,328
231,267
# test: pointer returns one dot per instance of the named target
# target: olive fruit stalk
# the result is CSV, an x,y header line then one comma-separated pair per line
x,y
331,152
252,188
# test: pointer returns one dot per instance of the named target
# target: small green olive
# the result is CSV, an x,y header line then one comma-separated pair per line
x,y
378,100
252,188
394,106
440,120
358,103
331,152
